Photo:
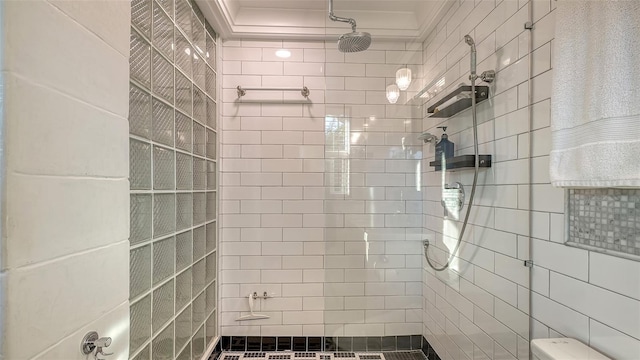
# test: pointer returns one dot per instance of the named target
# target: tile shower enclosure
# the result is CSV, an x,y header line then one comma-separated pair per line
x,y
173,140
552,271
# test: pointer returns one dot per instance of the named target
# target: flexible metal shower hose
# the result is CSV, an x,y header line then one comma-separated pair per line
x,y
473,188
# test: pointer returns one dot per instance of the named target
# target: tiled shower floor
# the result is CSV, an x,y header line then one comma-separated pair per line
x,y
290,355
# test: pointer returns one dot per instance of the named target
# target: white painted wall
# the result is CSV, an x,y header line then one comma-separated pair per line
x,y
289,225
481,311
65,209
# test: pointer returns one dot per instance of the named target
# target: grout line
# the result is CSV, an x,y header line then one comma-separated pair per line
x,y
96,35
65,257
62,93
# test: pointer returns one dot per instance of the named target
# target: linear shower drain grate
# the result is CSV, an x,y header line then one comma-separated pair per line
x,y
279,356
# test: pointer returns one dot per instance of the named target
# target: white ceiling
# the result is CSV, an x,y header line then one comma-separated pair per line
x,y
409,20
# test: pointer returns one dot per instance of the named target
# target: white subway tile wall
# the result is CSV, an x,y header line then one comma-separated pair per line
x,y
173,167
481,308
320,202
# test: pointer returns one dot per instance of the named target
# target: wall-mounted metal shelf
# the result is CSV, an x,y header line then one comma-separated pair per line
x,y
463,162
482,94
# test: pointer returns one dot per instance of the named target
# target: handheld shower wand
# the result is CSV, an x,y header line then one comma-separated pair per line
x,y
469,40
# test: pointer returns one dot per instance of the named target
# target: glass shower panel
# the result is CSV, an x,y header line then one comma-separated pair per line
x,y
173,268
372,201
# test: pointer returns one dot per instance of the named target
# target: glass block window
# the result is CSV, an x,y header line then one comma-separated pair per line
x,y
173,179
605,220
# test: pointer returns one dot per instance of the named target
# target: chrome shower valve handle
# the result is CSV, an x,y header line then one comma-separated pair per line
x,y
92,341
100,349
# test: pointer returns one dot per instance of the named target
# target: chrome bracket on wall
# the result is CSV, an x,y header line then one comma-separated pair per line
x,y
488,76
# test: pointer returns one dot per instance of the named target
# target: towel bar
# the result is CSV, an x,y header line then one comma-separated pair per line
x,y
243,91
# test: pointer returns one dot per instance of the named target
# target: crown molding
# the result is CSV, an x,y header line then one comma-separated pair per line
x,y
235,25
217,15
427,26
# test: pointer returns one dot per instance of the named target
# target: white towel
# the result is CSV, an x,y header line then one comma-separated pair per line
x,y
595,117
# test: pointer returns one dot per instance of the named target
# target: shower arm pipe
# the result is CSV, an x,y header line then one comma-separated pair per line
x,y
333,17
473,77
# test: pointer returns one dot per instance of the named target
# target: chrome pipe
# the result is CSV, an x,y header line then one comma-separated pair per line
x,y
333,17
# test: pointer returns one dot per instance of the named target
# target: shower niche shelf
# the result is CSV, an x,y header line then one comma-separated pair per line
x,y
463,162
482,94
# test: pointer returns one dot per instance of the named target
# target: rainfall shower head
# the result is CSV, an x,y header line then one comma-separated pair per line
x,y
354,42
350,42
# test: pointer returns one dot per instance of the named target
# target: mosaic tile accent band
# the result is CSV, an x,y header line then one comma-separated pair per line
x,y
607,219
342,345
287,343
319,355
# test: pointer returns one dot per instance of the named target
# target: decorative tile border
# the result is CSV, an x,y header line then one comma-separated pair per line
x,y
323,355
605,220
324,344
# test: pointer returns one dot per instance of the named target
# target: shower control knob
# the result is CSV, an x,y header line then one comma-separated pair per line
x,y
103,342
92,341
100,349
